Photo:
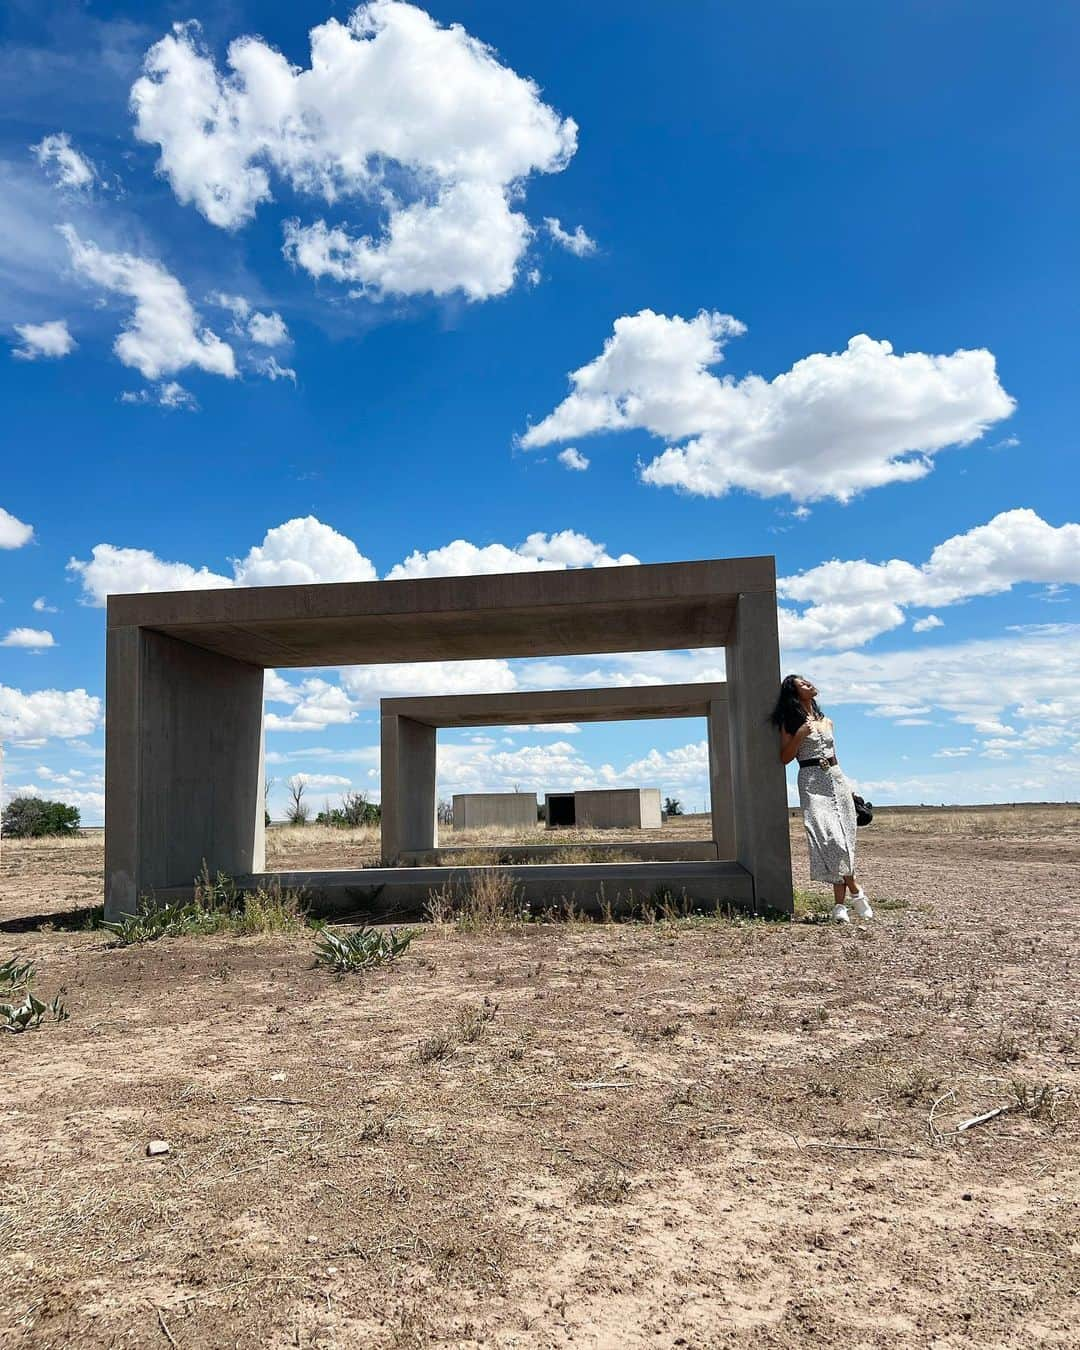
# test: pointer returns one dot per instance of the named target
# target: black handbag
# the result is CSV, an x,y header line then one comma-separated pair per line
x,y
864,810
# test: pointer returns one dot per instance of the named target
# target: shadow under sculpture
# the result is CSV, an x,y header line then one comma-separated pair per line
x,y
184,730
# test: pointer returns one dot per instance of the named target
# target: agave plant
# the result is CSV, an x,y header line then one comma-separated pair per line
x,y
27,1014
362,950
15,972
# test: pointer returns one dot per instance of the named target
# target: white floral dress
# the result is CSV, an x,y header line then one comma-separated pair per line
x,y
827,807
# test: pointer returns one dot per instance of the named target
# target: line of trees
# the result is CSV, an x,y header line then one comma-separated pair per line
x,y
355,808
36,818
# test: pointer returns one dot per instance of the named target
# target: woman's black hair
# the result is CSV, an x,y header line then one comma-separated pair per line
x,y
789,712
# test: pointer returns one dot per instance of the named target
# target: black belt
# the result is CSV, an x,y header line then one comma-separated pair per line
x,y
822,762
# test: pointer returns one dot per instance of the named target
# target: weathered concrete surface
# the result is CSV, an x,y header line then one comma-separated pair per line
x,y
636,703
509,810
618,808
183,766
408,797
603,609
402,893
762,842
655,850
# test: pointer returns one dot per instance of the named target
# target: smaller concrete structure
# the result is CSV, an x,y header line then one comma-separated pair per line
x,y
604,809
618,808
507,810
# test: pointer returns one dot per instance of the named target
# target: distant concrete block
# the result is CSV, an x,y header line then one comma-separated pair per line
x,y
618,809
507,810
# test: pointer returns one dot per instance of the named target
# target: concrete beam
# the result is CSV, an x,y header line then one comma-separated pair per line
x,y
587,610
637,702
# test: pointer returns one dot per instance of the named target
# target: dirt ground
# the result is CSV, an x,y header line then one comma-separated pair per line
x,y
700,1133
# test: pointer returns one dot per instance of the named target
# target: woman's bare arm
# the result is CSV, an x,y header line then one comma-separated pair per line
x,y
790,742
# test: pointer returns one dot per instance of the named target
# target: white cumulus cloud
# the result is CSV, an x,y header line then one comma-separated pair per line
x,y
296,552
49,339
168,394
268,330
126,571
834,425
570,458
317,704
850,602
68,167
367,684
419,124
538,553
14,533
928,624
300,551
576,242
47,713
32,639
163,334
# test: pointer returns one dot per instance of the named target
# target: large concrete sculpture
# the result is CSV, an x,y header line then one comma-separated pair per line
x,y
184,743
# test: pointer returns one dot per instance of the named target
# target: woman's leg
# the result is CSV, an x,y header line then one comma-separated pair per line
x,y
859,902
840,913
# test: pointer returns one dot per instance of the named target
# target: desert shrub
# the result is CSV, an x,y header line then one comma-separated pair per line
x,y
35,818
355,809
346,953
217,906
672,806
26,1010
487,899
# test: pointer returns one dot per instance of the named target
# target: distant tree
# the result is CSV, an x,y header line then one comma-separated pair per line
x,y
445,812
268,783
33,817
355,809
298,812
672,806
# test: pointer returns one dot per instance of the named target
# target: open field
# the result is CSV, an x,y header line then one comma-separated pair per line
x,y
694,1132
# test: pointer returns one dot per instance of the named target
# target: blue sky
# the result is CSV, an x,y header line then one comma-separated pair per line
x,y
269,322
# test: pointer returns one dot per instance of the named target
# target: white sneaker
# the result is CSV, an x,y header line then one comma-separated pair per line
x,y
840,914
861,905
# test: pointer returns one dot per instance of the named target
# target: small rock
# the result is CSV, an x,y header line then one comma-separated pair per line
x,y
312,1237
278,1077
156,1148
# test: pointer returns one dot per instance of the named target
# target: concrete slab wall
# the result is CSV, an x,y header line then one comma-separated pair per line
x,y
618,808
183,766
759,782
508,810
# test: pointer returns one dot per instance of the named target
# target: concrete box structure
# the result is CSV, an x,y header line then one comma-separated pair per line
x,y
506,810
618,808
410,726
184,742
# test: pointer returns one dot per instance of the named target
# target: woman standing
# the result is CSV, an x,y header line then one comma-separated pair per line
x,y
806,734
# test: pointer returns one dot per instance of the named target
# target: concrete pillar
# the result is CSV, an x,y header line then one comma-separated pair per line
x,y
721,796
409,805
762,842
183,766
